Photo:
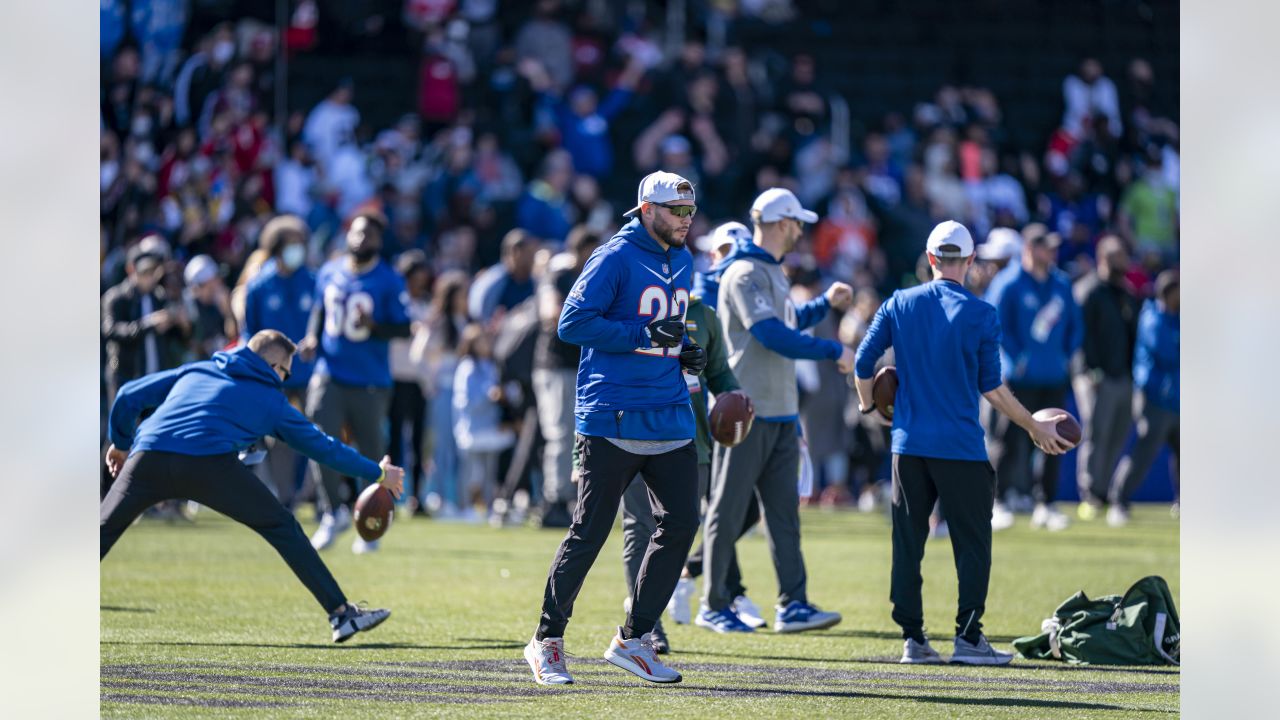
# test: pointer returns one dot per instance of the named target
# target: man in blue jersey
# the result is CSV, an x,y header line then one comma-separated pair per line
x,y
762,332
633,417
204,414
280,298
946,344
360,305
718,245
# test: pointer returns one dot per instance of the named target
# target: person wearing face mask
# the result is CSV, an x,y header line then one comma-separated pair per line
x,y
359,307
280,297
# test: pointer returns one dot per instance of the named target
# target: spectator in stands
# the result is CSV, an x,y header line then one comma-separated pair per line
x,y
332,123
555,371
207,304
1104,386
477,418
1148,215
544,208
1088,93
1041,329
547,39
1157,375
438,348
409,375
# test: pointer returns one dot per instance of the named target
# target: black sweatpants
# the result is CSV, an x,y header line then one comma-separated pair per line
x,y
966,489
1014,463
605,471
224,484
409,405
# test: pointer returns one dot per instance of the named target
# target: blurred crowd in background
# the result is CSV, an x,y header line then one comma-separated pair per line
x,y
521,143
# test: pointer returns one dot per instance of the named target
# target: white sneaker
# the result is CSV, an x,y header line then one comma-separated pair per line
x,y
1049,518
639,656
914,653
331,525
981,653
1001,518
362,546
1117,516
748,612
547,660
681,603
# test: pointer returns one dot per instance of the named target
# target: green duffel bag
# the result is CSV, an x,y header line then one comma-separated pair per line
x,y
1137,628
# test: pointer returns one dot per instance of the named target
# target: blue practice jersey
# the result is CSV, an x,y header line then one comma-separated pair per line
x,y
626,388
349,354
276,302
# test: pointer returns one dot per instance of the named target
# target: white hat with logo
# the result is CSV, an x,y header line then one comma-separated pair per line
x,y
724,234
950,239
1002,244
775,204
661,187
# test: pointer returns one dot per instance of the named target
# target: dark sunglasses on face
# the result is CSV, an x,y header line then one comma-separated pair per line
x,y
284,370
680,211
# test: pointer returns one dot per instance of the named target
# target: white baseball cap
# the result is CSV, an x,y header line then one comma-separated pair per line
x,y
775,204
724,234
1002,244
200,270
950,232
661,187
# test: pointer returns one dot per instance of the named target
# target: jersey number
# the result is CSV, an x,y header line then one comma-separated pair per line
x,y
654,303
340,314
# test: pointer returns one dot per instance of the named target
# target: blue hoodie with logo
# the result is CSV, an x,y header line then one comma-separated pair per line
x,y
626,388
1041,326
222,405
1156,360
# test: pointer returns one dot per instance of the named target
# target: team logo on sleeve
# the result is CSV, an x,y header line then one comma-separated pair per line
x,y
577,292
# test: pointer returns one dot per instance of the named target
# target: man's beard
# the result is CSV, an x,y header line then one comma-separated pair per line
x,y
666,233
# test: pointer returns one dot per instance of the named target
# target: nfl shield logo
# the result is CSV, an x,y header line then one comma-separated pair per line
x,y
665,269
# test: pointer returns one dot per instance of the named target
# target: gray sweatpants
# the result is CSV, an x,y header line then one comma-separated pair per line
x,y
332,406
765,465
1106,410
1156,426
555,392
638,524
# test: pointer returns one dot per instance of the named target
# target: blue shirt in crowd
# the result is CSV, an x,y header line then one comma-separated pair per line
x,y
1156,359
275,301
1041,326
350,354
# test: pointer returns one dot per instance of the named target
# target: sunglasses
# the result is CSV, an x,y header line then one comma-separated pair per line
x,y
283,370
680,211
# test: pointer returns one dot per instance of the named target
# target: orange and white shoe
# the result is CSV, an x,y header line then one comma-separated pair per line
x,y
639,656
547,660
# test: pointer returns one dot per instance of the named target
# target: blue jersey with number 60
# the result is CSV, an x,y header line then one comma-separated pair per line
x,y
627,389
348,353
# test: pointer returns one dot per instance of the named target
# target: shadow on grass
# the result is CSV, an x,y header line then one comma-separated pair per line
x,y
1017,665
121,608
311,646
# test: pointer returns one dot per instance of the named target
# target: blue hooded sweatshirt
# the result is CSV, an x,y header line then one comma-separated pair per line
x,y
626,388
1041,326
222,405
1156,361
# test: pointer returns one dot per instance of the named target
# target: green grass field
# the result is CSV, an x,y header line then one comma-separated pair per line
x,y
206,621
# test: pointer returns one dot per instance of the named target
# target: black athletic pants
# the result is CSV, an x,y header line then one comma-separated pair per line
x,y
1014,463
605,470
223,483
966,489
734,579
409,405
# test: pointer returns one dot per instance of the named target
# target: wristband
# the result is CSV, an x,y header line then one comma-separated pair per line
x,y
867,411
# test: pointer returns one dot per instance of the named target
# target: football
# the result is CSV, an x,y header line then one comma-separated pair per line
x,y
731,418
884,388
1068,429
374,510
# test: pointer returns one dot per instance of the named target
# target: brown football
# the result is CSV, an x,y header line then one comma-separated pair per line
x,y
731,418
374,510
884,388
1068,428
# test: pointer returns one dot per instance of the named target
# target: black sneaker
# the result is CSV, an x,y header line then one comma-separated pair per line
x,y
660,644
556,515
355,619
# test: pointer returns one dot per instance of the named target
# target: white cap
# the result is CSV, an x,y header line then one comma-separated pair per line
x,y
200,270
950,232
775,204
661,187
1002,244
724,234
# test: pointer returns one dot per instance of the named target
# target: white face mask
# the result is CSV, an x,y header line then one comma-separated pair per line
x,y
293,256
223,51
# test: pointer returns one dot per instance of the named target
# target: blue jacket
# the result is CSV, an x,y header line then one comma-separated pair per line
x,y
1041,324
587,138
352,355
222,405
1156,360
276,302
626,388
945,344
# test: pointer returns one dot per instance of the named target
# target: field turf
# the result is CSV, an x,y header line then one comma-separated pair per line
x,y
205,620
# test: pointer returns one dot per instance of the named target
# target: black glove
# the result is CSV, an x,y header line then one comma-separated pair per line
x,y
693,359
666,333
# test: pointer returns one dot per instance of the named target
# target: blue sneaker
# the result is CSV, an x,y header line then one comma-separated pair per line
x,y
798,617
721,621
